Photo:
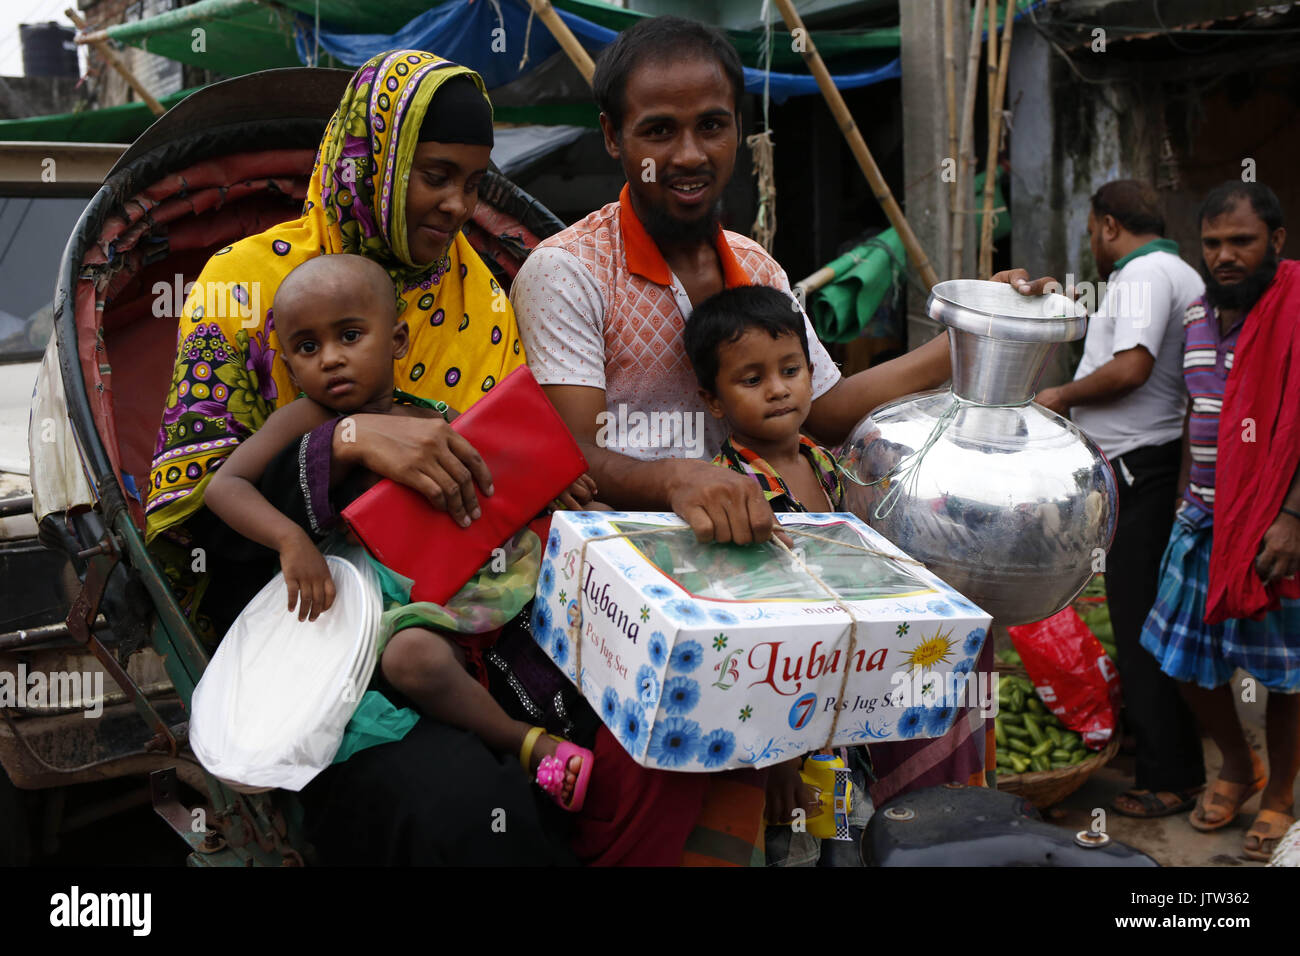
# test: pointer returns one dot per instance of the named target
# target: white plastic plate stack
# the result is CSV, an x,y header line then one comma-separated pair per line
x,y
272,704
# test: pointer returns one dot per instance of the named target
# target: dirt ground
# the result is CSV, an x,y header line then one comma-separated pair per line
x,y
1171,841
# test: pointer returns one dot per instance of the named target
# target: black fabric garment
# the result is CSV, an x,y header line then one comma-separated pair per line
x,y
428,799
437,797
1169,755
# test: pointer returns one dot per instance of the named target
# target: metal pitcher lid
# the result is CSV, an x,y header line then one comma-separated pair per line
x,y
995,310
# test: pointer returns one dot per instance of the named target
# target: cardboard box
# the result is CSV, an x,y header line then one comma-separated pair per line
x,y
712,657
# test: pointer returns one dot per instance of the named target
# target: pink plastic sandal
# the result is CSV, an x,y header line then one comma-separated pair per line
x,y
551,770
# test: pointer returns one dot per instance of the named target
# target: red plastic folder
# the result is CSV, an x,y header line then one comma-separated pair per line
x,y
532,458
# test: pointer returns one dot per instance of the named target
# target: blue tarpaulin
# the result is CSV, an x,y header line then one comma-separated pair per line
x,y
489,38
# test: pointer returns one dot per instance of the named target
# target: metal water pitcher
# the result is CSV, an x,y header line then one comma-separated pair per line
x,y
1007,502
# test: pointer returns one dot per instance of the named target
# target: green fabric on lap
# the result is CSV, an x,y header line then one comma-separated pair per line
x,y
376,721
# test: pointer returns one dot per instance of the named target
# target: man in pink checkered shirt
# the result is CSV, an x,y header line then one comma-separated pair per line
x,y
602,305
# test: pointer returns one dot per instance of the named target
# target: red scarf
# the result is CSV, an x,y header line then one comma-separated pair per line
x,y
1252,477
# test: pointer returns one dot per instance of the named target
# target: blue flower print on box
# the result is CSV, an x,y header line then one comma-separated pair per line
x,y
686,656
674,741
719,616
560,652
716,748
609,706
681,694
942,608
546,580
974,641
631,728
657,649
647,685
588,517
960,601
909,725
938,719
657,592
553,544
541,622
687,611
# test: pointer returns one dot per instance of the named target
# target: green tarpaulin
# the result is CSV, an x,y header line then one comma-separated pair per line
x,y
236,37
113,124
857,300
122,124
244,36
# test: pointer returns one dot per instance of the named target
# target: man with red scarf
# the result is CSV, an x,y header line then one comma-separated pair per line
x,y
1228,594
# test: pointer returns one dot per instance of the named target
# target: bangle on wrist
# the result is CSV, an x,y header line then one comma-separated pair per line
x,y
1290,511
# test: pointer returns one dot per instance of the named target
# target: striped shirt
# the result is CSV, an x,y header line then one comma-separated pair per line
x,y
744,460
1207,360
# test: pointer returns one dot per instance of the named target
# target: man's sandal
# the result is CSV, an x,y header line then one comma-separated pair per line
x,y
551,769
1269,827
1153,806
1227,795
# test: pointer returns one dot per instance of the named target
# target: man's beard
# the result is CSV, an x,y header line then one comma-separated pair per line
x,y
1244,294
666,230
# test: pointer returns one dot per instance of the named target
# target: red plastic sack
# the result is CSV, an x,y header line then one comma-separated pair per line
x,y
1072,673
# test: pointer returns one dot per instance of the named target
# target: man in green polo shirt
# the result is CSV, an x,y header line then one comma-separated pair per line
x,y
1128,397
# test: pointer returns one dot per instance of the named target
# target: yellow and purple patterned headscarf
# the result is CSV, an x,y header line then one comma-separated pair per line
x,y
227,378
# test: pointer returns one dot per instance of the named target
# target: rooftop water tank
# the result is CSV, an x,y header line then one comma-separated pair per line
x,y
48,49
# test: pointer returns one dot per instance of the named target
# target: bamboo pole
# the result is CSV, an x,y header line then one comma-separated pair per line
x,y
99,40
857,144
564,36
966,148
812,283
950,93
991,61
995,138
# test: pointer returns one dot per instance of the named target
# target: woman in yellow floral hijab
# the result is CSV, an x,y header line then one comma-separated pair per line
x,y
228,377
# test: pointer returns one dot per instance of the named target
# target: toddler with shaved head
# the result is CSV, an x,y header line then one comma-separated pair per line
x,y
340,333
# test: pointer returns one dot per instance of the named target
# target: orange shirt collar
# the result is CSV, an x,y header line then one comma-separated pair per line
x,y
645,259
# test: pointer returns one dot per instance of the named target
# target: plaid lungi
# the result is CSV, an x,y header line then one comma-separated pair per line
x,y
1190,650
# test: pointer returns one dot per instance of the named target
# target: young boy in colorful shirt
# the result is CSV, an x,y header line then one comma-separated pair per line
x,y
750,354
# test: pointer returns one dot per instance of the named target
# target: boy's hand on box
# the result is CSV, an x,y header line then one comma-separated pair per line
x,y
307,576
786,792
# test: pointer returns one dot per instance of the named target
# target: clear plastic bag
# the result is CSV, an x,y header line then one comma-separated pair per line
x,y
272,705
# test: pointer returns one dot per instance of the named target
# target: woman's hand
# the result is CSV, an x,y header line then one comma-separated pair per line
x,y
307,576
424,454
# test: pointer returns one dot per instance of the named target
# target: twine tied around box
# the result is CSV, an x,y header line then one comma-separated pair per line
x,y
798,558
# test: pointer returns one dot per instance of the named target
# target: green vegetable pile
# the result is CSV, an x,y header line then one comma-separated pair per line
x,y
1030,738
1094,610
